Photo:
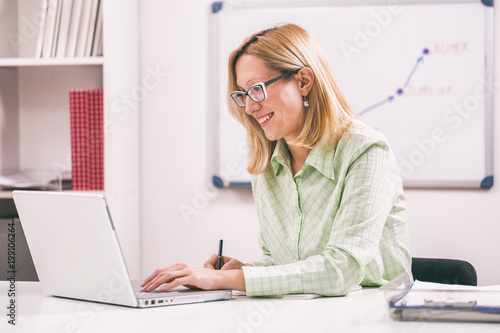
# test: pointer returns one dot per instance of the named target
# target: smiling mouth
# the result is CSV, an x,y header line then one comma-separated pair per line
x,y
265,118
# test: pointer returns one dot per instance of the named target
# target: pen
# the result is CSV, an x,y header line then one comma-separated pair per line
x,y
219,258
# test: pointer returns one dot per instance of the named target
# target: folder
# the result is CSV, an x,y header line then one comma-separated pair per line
x,y
425,301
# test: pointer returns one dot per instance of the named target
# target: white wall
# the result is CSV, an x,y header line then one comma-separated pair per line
x,y
175,162
175,146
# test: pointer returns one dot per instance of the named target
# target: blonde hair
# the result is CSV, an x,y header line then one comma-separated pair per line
x,y
289,48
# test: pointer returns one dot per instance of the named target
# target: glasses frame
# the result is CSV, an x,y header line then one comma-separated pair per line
x,y
263,86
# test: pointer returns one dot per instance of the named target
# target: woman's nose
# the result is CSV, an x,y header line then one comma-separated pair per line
x,y
251,106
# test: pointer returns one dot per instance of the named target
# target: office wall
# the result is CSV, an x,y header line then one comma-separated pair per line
x,y
183,216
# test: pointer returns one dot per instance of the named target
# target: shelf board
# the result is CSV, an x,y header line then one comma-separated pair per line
x,y
8,194
31,62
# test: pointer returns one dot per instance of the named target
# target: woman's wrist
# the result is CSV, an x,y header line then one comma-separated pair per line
x,y
232,279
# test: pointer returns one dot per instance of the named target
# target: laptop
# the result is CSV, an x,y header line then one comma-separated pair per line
x,y
77,254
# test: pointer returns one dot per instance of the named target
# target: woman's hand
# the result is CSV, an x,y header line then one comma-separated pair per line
x,y
227,263
190,276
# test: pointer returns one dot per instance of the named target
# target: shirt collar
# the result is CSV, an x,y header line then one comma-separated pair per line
x,y
322,158
319,158
280,157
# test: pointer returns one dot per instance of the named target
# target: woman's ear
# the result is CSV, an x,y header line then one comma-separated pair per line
x,y
305,78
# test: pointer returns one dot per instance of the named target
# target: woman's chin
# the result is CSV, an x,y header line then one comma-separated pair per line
x,y
271,136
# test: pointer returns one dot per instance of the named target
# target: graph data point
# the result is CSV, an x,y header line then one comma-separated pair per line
x,y
399,91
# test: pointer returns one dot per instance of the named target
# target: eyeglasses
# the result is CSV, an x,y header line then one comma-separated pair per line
x,y
256,92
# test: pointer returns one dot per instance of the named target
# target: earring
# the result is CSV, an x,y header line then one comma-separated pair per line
x,y
306,102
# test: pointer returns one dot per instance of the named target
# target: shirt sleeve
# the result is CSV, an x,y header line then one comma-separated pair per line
x,y
371,186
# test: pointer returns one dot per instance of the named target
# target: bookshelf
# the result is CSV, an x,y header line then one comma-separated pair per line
x,y
34,107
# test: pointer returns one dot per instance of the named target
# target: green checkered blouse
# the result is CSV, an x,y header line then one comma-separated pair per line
x,y
338,223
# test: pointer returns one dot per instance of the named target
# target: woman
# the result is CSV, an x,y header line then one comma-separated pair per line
x,y
326,187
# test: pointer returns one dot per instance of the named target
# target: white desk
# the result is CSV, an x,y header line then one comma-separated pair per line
x,y
360,311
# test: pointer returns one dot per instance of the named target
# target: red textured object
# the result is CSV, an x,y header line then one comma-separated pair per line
x,y
87,139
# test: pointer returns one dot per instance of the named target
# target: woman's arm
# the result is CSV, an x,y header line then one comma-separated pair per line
x,y
191,276
371,191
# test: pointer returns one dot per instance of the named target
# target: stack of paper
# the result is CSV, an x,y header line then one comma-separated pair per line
x,y
437,294
21,181
442,302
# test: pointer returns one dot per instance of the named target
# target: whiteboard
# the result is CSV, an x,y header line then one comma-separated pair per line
x,y
419,73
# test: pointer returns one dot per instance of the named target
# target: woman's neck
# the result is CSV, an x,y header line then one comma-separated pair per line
x,y
298,156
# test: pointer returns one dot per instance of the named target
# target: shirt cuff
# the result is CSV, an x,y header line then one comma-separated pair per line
x,y
270,280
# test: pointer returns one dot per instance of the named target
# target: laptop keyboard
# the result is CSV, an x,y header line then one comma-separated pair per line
x,y
159,293
154,293
150,293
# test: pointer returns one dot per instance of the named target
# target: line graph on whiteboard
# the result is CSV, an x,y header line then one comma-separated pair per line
x,y
401,90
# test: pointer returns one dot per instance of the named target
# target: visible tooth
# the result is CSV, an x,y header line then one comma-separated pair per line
x,y
263,119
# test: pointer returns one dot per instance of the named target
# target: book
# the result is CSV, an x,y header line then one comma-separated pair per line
x,y
74,28
84,28
99,43
57,25
97,40
92,26
50,25
65,20
41,29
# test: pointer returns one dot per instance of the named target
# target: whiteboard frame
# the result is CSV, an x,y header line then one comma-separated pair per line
x,y
221,181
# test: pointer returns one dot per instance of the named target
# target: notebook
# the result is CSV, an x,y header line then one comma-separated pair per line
x,y
77,254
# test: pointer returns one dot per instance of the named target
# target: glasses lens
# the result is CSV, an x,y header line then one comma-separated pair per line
x,y
239,98
257,93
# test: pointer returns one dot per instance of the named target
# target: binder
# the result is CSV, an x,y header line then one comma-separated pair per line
x,y
87,139
425,301
96,137
79,125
